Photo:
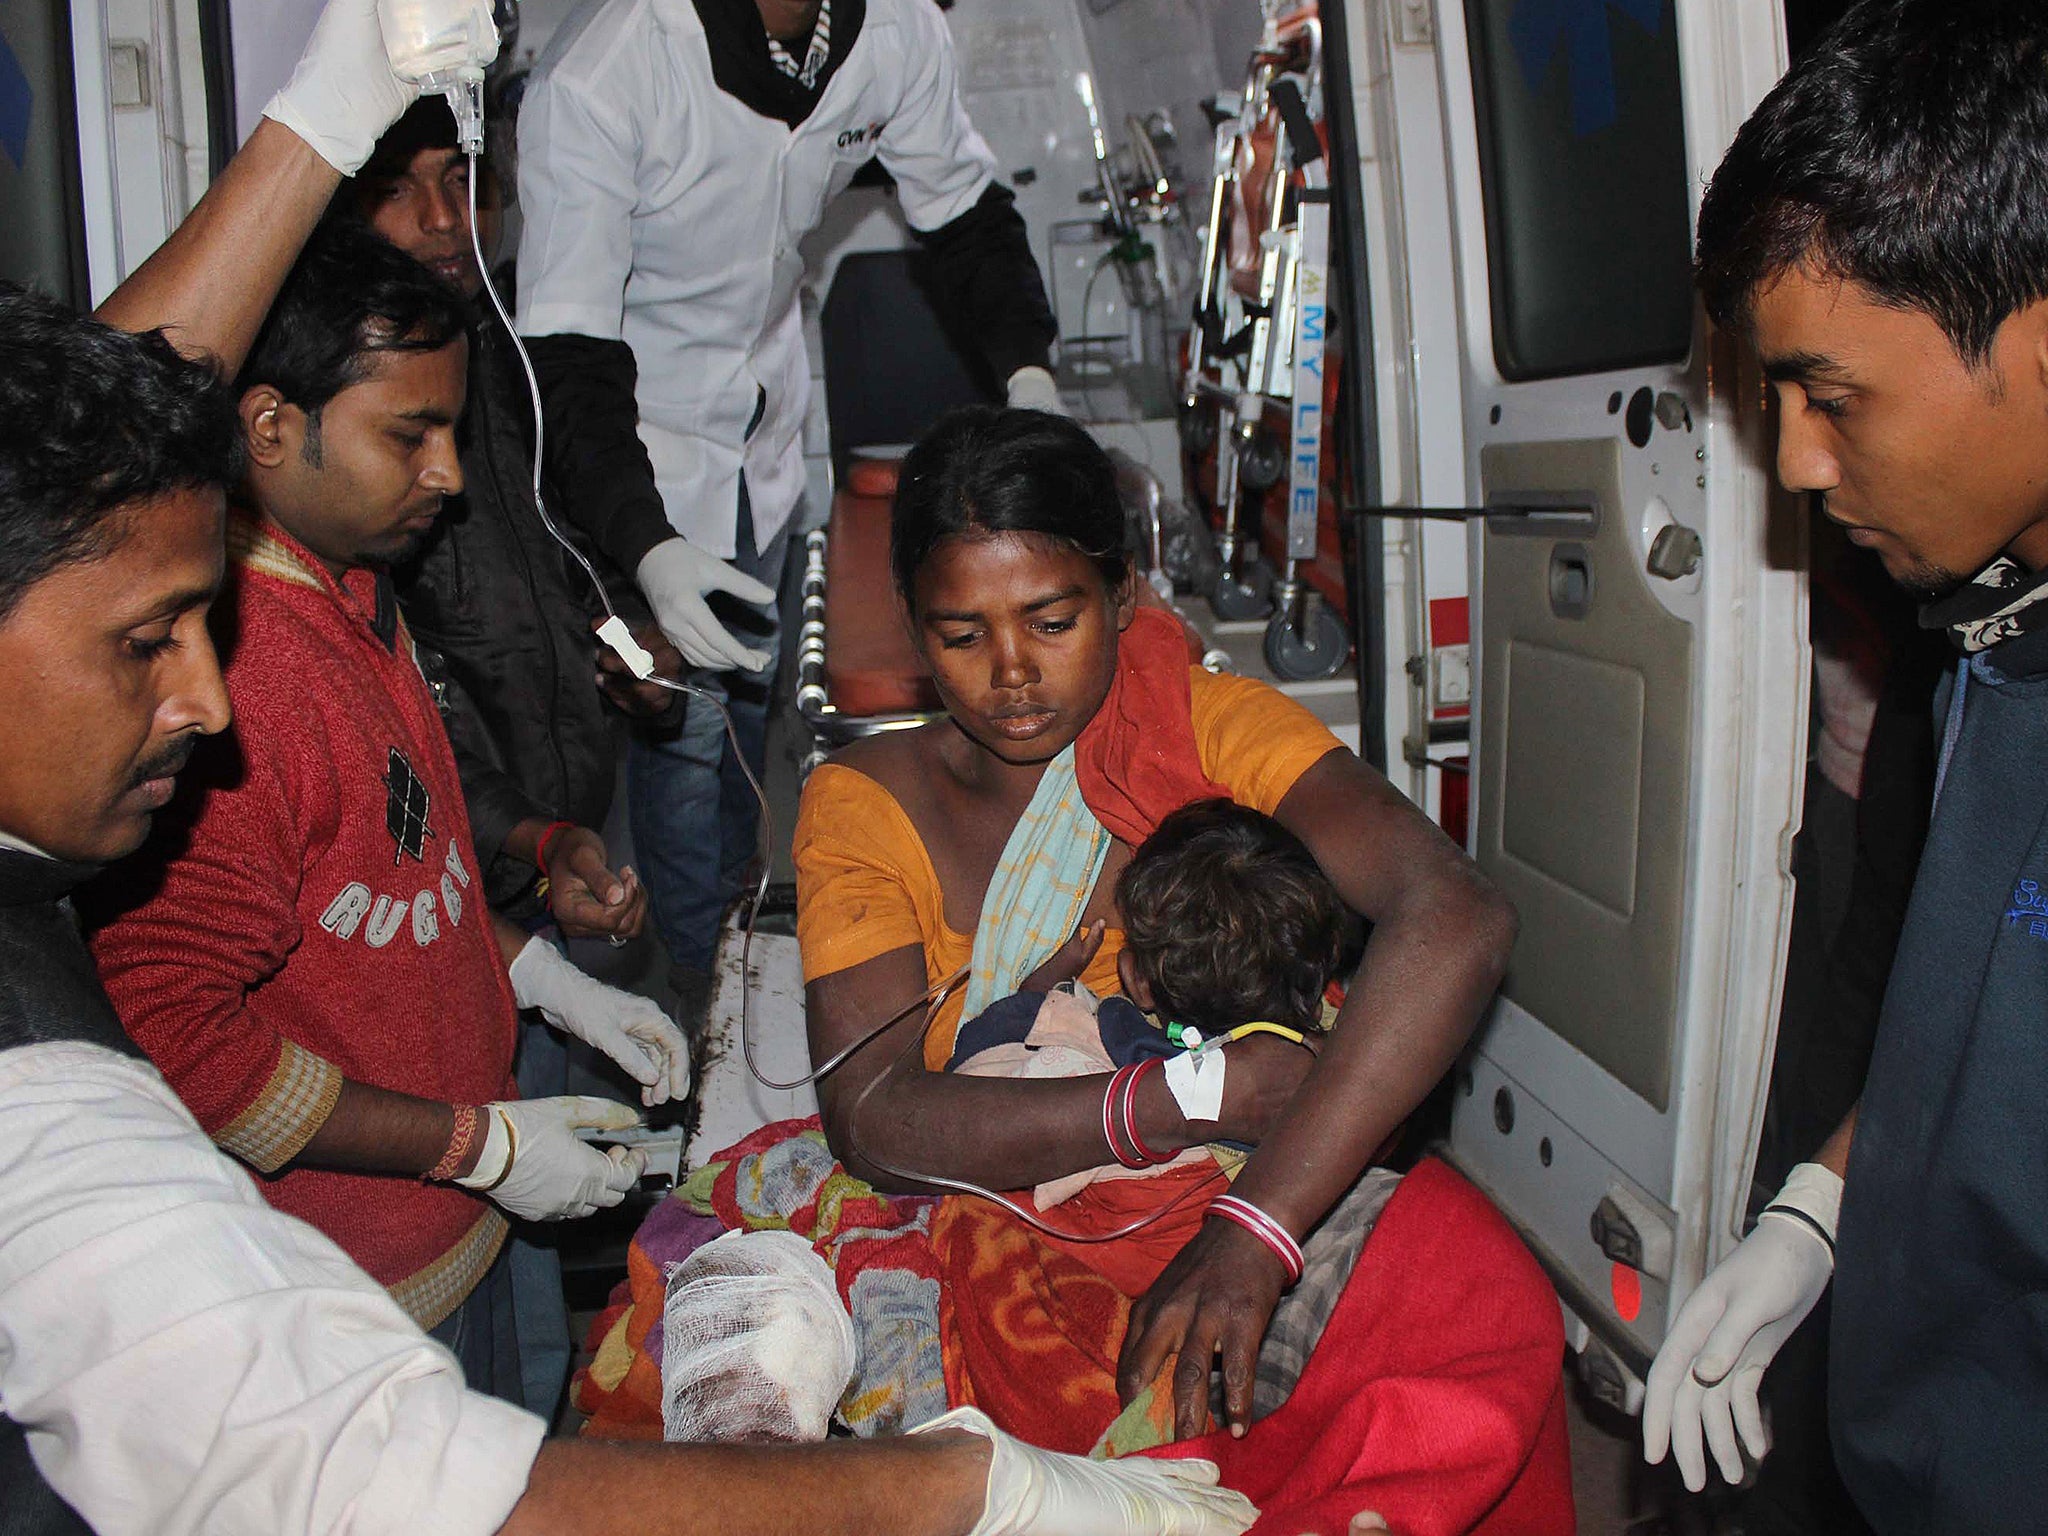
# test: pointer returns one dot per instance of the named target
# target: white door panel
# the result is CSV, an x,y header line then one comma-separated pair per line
x,y
139,83
1638,649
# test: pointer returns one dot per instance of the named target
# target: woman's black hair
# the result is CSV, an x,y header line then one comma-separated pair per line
x,y
985,470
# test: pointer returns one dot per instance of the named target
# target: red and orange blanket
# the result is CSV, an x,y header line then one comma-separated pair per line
x,y
1435,1396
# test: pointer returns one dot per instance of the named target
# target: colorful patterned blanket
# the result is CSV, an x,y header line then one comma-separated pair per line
x,y
1434,1395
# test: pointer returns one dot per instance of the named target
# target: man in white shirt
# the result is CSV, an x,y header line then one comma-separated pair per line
x,y
672,155
176,1356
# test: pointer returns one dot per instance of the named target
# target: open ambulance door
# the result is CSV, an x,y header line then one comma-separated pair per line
x,y
1637,616
114,117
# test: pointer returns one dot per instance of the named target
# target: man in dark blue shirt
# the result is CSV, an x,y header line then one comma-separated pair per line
x,y
1879,233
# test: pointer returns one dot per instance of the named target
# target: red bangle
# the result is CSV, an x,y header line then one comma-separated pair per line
x,y
548,835
1264,1228
458,1145
1130,1110
1118,1100
1116,1129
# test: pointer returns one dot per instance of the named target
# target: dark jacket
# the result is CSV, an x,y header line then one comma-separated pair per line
x,y
49,992
1938,1389
503,618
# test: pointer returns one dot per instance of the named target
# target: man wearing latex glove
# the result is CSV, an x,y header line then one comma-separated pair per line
x,y
1875,233
289,1393
1703,1386
528,1158
630,1029
343,95
1034,1490
658,290
313,965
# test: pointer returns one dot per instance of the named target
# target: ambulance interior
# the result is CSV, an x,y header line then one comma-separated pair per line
x,y
1385,306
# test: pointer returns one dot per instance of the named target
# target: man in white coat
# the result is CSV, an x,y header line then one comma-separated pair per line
x,y
672,155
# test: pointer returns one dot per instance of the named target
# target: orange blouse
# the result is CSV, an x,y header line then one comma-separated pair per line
x,y
865,884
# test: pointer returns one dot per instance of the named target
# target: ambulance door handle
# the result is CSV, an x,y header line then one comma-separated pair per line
x,y
1675,552
1571,581
1571,513
1632,1233
1439,514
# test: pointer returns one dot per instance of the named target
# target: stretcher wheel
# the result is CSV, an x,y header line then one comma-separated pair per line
x,y
1198,427
1318,647
1246,594
1262,464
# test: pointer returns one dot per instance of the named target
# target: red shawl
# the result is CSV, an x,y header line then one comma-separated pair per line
x,y
1137,760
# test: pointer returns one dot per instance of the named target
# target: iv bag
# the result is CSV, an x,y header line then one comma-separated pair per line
x,y
434,43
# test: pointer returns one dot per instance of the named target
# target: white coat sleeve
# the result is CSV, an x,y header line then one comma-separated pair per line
x,y
940,161
577,193
185,1359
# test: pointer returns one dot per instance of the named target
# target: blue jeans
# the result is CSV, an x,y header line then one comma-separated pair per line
x,y
693,817
540,1315
483,1334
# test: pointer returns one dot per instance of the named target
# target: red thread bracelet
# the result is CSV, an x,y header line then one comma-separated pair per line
x,y
458,1145
1268,1231
548,835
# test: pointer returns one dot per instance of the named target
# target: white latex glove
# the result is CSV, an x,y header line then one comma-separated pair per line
x,y
1033,389
343,94
1704,1381
1046,1493
675,575
532,1165
630,1029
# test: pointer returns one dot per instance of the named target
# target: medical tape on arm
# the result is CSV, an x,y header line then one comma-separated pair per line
x,y
614,633
1195,1078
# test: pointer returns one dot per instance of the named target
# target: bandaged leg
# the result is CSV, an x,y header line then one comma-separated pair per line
x,y
756,1344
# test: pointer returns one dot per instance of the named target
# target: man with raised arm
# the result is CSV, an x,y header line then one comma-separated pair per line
x,y
305,950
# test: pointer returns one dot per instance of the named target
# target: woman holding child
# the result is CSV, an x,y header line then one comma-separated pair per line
x,y
993,838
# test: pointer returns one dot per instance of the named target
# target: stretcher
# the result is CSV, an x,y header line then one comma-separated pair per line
x,y
857,672
1256,394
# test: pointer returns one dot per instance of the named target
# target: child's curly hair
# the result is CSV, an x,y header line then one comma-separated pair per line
x,y
1228,918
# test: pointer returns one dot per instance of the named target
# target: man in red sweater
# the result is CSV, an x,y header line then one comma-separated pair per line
x,y
315,969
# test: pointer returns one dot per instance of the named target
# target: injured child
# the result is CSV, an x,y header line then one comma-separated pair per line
x,y
1230,928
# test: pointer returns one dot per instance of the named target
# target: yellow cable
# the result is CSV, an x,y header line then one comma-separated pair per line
x,y
1256,1027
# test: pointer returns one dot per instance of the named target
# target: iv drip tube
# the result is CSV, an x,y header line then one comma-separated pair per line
x,y
766,838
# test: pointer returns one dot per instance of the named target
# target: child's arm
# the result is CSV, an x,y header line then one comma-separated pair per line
x,y
1068,961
